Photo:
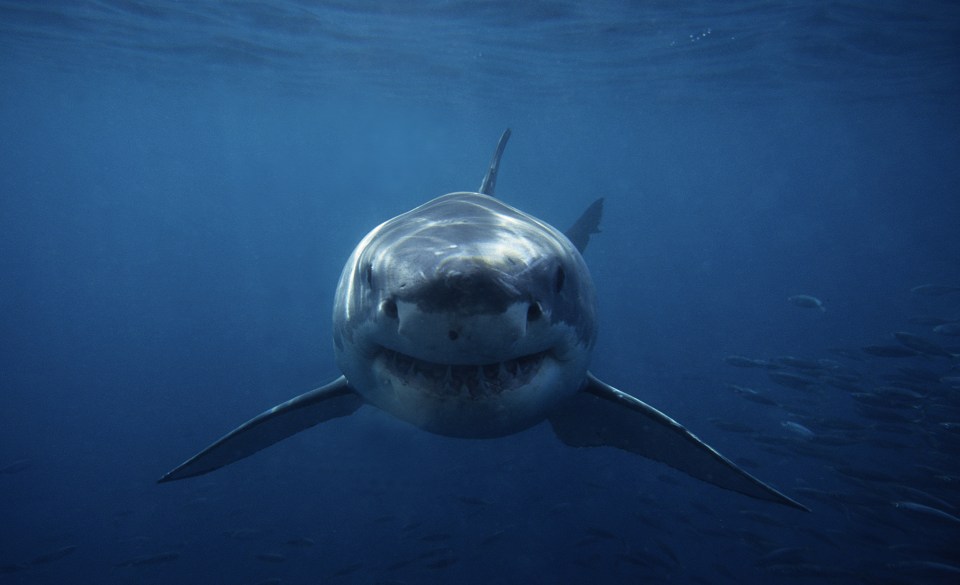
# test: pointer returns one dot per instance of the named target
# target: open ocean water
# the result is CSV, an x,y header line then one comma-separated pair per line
x,y
182,182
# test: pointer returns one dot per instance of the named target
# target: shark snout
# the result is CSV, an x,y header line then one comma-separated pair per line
x,y
467,287
457,337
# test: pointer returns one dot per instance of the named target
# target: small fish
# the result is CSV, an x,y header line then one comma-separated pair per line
x,y
842,384
897,393
885,415
492,537
951,329
865,474
799,363
934,290
785,555
16,467
869,398
831,497
927,511
744,362
807,302
891,351
301,541
667,551
919,375
751,395
917,343
245,534
164,557
54,555
839,424
396,566
762,519
798,429
271,557
943,504
436,537
636,559
435,552
640,558
812,573
348,569
928,320
931,567
790,380
600,533
843,352
442,563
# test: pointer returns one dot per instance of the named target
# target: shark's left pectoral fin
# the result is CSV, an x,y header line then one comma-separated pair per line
x,y
602,415
334,400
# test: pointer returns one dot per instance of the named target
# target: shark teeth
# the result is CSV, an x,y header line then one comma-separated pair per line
x,y
475,381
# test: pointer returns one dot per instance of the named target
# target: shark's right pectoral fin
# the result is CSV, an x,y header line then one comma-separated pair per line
x,y
334,400
602,415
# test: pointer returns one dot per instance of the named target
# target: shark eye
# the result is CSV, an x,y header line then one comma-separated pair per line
x,y
389,308
534,311
559,279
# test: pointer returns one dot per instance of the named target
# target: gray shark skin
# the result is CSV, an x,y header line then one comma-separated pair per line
x,y
469,318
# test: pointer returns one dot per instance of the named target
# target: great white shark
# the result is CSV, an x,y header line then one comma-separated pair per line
x,y
469,318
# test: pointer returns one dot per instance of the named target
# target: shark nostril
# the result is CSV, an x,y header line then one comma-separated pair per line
x,y
389,308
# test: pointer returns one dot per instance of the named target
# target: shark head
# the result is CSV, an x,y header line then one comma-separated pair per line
x,y
465,317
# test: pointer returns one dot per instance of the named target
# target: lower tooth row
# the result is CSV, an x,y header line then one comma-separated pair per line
x,y
463,377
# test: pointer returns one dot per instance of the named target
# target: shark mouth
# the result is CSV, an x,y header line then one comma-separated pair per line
x,y
473,381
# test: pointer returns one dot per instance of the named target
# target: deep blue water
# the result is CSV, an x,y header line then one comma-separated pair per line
x,y
181,183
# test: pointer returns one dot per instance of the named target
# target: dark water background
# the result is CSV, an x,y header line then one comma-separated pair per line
x,y
180,184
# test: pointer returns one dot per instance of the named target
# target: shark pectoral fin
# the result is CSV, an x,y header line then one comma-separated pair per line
x,y
602,415
334,400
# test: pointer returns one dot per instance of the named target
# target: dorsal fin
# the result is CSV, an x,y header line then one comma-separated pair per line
x,y
588,223
490,179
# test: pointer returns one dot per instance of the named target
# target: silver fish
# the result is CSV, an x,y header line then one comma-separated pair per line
x,y
934,290
952,329
917,343
927,511
807,302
